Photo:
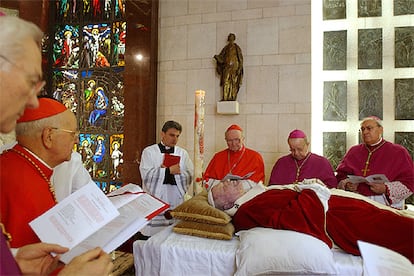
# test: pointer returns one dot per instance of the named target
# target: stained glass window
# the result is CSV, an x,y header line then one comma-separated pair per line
x,y
86,64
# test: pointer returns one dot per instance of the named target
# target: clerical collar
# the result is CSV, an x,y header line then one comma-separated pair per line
x,y
165,149
377,143
303,159
37,157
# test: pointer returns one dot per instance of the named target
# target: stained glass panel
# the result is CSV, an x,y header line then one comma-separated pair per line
x,y
87,57
116,142
66,47
97,44
65,88
119,38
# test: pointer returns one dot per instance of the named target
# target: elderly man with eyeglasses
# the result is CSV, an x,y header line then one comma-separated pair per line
x,y
45,138
378,156
20,82
236,160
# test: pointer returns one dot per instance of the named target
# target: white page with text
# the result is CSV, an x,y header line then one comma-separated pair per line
x,y
76,217
125,211
135,212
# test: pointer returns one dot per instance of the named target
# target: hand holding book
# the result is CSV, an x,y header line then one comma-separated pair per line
x,y
88,218
230,176
170,160
375,178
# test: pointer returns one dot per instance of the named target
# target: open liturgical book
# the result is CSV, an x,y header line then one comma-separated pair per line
x,y
230,176
88,218
374,178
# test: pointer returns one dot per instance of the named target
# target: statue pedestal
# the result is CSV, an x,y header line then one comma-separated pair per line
x,y
228,107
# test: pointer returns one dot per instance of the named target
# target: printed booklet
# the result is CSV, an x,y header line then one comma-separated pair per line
x,y
230,176
88,218
375,178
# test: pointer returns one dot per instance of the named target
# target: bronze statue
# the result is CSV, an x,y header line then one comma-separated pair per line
x,y
230,68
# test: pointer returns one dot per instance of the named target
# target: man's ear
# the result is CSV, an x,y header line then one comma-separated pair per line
x,y
47,138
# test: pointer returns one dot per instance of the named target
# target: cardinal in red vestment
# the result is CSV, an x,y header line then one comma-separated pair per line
x,y
46,137
236,159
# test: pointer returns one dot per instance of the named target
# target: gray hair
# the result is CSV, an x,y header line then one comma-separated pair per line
x,y
32,127
14,33
372,118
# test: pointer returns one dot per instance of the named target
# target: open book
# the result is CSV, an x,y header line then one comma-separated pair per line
x,y
375,178
381,261
88,218
230,176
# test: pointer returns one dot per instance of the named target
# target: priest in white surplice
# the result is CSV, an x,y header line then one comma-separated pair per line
x,y
166,170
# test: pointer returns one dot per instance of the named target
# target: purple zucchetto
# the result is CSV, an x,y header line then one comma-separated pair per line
x,y
297,134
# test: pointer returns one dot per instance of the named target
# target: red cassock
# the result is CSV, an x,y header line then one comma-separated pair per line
x,y
238,163
347,220
25,194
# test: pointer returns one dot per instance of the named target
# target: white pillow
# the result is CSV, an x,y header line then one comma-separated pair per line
x,y
270,251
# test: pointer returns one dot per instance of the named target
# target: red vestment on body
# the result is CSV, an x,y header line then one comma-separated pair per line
x,y
238,163
346,221
25,193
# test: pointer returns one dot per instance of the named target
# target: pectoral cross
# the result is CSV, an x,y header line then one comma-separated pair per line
x,y
364,171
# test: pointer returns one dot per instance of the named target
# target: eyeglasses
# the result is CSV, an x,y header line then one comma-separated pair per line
x,y
37,85
369,128
75,133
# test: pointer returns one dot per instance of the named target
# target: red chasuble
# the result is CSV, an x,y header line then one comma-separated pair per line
x,y
315,166
347,220
24,194
390,159
238,163
286,210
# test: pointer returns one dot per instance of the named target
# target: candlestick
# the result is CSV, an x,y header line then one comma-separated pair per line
x,y
198,140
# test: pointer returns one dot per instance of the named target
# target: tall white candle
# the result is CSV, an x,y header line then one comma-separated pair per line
x,y
198,140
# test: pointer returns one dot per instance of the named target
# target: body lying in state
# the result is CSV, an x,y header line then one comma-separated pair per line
x,y
329,215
